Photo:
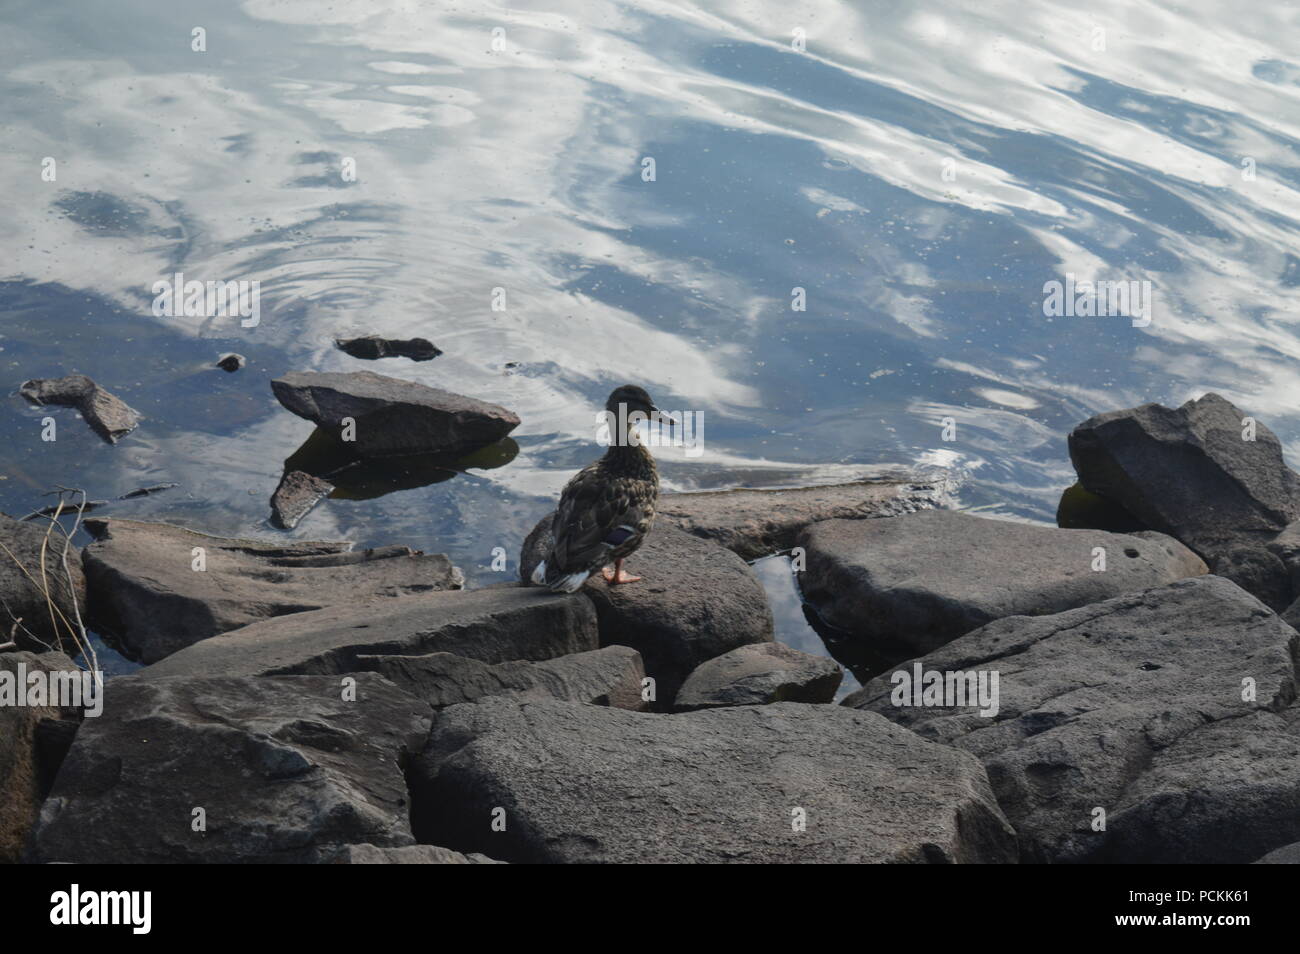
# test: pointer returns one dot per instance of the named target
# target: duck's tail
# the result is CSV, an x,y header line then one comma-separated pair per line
x,y
560,584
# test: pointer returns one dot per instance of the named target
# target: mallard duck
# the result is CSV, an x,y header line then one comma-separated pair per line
x,y
606,509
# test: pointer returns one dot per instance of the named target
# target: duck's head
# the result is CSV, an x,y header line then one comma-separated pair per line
x,y
632,398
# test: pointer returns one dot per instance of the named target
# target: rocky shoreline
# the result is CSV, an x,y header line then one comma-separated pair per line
x,y
1119,689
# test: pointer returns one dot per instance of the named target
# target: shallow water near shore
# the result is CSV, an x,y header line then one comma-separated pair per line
x,y
920,170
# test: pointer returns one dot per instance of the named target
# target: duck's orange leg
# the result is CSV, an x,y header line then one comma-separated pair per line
x,y
618,575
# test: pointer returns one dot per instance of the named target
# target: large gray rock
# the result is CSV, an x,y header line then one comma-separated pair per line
x,y
1190,473
912,583
758,675
145,590
1286,855
1133,706
757,523
283,768
407,855
106,413
23,594
21,770
393,416
604,677
494,625
586,783
696,600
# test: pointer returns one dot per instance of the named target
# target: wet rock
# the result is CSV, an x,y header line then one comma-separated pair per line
x,y
756,523
917,581
393,416
283,768
604,677
1287,855
146,590
593,784
1166,709
372,347
494,625
146,491
107,415
1164,465
696,600
23,768
408,855
25,611
758,675
296,495
231,362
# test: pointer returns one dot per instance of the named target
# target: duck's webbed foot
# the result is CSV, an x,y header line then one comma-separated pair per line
x,y
618,574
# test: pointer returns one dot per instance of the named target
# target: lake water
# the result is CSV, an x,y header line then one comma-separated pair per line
x,y
919,170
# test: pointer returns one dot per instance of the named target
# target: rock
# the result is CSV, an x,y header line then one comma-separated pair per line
x,y
760,674
493,625
1258,572
107,415
372,347
296,495
1287,855
231,362
757,523
393,416
1081,510
586,783
23,600
282,767
408,855
915,582
1163,465
23,769
604,677
145,590
1133,706
696,600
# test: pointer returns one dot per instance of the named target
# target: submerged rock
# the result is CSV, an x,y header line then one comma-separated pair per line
x,y
757,523
1166,710
281,769
108,415
295,496
231,362
494,625
696,600
758,675
373,347
24,772
765,784
26,616
604,677
393,416
147,587
915,582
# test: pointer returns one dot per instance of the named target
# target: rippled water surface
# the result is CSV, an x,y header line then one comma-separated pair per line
x,y
920,170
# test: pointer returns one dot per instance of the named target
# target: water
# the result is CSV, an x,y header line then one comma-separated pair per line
x,y
521,168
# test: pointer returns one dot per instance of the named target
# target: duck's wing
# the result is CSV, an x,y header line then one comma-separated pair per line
x,y
594,516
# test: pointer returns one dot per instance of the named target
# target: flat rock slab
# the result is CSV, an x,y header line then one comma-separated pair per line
x,y
592,784
915,582
758,675
758,523
293,499
144,587
1133,706
604,677
1188,472
21,770
495,625
373,347
108,415
696,600
393,416
283,768
408,855
22,597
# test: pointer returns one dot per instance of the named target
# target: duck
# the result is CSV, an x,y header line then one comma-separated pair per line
x,y
608,507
